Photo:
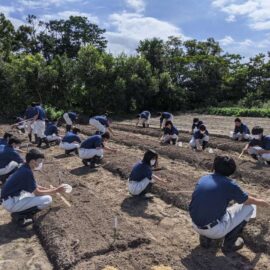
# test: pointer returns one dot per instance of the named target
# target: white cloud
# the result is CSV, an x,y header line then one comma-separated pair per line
x,y
47,3
130,28
256,11
137,5
227,40
7,11
66,14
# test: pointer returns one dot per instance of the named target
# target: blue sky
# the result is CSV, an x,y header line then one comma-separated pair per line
x,y
241,26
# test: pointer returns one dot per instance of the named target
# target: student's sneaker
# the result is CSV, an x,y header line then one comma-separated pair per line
x,y
25,222
238,244
85,162
205,242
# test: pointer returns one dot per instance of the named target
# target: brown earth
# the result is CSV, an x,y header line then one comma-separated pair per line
x,y
153,233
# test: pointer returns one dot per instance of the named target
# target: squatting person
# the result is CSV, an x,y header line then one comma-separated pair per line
x,y
241,131
91,150
52,132
70,118
209,209
21,195
71,142
170,133
196,125
200,139
140,180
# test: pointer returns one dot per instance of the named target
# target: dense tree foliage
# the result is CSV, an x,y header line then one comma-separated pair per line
x,y
63,63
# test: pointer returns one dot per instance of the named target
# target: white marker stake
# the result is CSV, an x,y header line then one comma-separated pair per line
x,y
211,151
115,223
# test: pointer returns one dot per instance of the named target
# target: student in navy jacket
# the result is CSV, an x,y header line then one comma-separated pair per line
x,y
9,158
241,131
101,123
140,180
51,132
144,118
196,125
164,117
71,142
70,118
200,139
170,133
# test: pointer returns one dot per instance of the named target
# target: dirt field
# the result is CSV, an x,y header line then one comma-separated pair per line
x,y
148,233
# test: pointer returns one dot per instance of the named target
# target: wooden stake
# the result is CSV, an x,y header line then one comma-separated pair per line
x,y
62,198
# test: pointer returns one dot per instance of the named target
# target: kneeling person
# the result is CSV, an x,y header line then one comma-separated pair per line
x,y
170,133
9,159
140,180
209,208
22,196
91,150
241,131
259,147
200,139
71,142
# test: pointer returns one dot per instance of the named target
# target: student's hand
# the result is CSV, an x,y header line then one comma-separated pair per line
x,y
61,189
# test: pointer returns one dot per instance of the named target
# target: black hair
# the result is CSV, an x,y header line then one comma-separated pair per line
x,y
224,165
195,120
7,135
33,154
257,130
168,123
138,115
76,130
149,155
106,135
33,104
237,120
202,127
14,140
159,113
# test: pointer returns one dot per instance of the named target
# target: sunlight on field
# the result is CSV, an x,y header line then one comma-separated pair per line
x,y
161,267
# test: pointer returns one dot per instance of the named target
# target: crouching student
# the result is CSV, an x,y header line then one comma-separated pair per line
x,y
164,117
91,150
196,125
22,196
209,209
144,118
51,132
101,123
70,118
241,131
259,146
140,180
170,133
200,139
71,142
9,159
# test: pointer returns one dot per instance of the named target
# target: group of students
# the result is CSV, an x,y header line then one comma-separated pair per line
x,y
23,197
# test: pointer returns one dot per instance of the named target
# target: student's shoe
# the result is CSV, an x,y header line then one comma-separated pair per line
x,y
174,141
85,162
143,125
24,222
30,137
205,242
45,140
67,152
238,244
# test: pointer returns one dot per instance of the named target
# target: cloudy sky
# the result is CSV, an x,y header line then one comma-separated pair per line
x,y
241,26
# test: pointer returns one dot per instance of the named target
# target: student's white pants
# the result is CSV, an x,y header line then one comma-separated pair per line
x,y
236,136
135,188
40,128
193,141
17,204
9,168
90,153
54,137
67,119
253,151
168,137
69,146
233,217
97,125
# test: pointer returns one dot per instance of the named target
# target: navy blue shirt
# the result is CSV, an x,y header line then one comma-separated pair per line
x,y
196,125
199,136
7,155
22,179
41,113
263,143
72,116
3,141
145,114
51,129
30,112
102,120
211,198
165,115
140,171
71,137
92,142
171,131
242,129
